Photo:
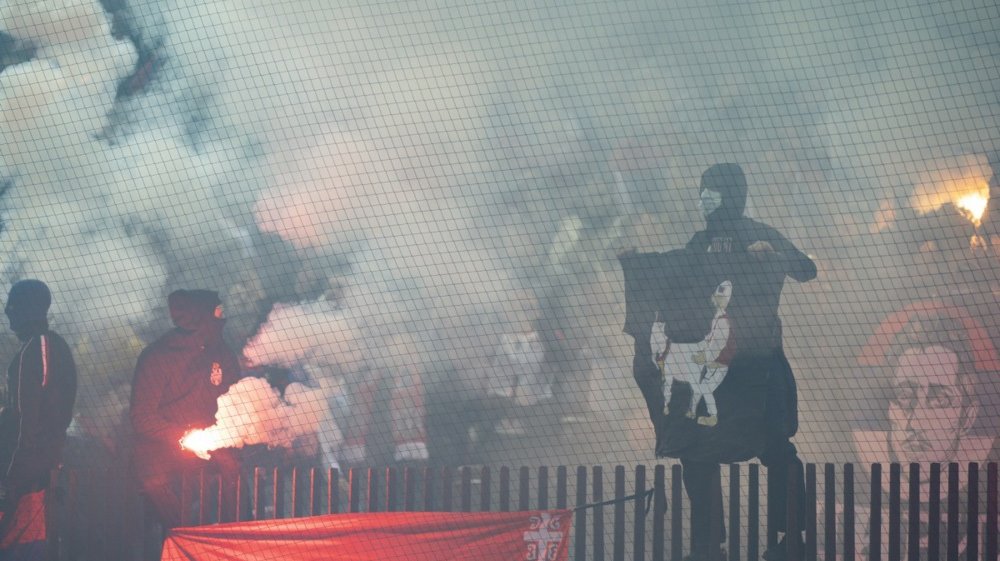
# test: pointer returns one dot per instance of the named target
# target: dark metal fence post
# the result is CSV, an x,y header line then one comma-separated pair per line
x,y
504,489
659,511
277,503
485,490
466,489
972,524
875,524
446,489
849,547
934,515
734,512
676,513
543,488
391,489
991,528
829,513
793,547
295,492
597,496
810,515
523,492
51,520
409,489
561,487
894,512
372,490
313,489
618,552
953,512
333,491
913,500
429,489
639,528
354,490
580,540
753,514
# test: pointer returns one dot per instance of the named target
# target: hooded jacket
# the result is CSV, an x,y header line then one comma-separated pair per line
x,y
41,391
179,377
729,231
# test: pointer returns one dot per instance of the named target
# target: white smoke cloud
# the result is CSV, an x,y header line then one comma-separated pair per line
x,y
252,412
447,173
317,333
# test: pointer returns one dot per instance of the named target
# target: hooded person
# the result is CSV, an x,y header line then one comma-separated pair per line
x,y
758,340
41,391
178,380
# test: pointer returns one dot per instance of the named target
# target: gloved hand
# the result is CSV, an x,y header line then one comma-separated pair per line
x,y
657,341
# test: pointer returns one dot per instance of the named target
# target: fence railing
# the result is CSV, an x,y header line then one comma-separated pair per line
x,y
914,512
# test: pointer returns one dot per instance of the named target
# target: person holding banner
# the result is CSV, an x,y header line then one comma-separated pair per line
x,y
759,352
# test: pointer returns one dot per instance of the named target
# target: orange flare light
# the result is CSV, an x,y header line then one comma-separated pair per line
x,y
199,441
973,205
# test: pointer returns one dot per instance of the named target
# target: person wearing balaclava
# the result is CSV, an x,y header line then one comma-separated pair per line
x,y
41,391
757,338
178,380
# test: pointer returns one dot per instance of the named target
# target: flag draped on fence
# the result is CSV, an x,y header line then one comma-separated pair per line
x,y
390,536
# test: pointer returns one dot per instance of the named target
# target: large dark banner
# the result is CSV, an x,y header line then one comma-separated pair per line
x,y
685,311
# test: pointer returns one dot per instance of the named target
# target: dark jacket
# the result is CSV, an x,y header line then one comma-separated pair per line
x,y
41,391
180,376
728,231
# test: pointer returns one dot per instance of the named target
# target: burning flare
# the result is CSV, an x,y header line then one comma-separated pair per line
x,y
200,441
973,205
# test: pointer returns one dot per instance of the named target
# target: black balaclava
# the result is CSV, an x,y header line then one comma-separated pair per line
x,y
28,307
729,181
193,311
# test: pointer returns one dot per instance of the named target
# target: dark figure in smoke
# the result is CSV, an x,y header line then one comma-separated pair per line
x,y
178,380
41,390
759,351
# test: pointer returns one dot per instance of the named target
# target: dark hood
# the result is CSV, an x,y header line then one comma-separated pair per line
x,y
193,311
729,181
28,307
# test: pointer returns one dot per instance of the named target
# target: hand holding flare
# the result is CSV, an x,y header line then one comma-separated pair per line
x,y
200,441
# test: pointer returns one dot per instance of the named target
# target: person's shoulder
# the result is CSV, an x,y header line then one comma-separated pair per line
x,y
699,241
758,226
164,346
55,341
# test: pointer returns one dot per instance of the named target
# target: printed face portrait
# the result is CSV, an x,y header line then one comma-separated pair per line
x,y
929,412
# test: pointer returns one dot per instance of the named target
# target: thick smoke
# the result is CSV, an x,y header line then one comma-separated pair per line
x,y
253,412
417,183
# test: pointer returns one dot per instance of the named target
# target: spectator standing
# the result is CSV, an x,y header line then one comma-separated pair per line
x,y
758,340
178,380
41,391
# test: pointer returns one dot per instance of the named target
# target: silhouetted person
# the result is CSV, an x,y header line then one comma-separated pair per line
x,y
178,380
758,342
41,390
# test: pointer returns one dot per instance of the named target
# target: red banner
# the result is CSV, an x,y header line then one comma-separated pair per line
x,y
403,536
27,524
